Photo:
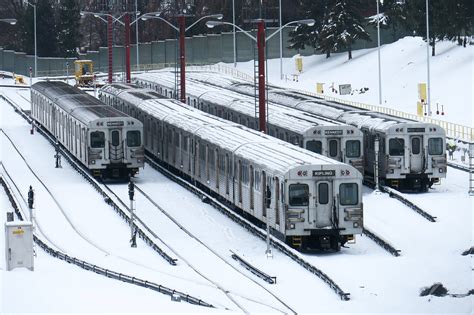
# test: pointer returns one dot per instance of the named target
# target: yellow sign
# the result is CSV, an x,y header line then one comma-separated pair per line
x,y
18,232
419,108
299,64
422,92
319,88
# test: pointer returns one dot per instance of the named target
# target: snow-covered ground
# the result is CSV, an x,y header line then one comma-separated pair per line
x,y
90,230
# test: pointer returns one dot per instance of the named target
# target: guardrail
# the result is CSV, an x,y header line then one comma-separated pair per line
x,y
452,130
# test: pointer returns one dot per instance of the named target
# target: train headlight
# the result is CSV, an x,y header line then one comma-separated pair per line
x,y
355,225
92,161
392,171
292,226
441,170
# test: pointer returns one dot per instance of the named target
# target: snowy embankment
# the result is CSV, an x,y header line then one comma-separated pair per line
x,y
403,65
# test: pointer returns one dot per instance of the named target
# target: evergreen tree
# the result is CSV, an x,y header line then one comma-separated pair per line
x,y
46,29
346,22
304,35
68,26
327,35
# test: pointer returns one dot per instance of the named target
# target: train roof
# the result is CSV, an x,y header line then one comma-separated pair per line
x,y
355,116
257,147
290,119
76,102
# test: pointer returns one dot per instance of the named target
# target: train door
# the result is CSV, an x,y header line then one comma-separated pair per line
x,y
115,146
323,203
334,149
416,156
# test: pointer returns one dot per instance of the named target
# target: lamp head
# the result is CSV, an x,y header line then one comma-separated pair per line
x,y
96,15
217,16
13,22
211,24
309,22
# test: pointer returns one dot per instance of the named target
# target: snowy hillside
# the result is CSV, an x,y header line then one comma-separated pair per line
x,y
403,67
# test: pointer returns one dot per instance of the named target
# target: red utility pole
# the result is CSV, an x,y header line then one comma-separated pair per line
x,y
261,76
127,46
109,42
182,57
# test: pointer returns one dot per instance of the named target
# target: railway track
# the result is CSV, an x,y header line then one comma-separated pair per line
x,y
59,254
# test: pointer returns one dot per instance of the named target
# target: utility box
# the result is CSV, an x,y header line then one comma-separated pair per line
x,y
319,88
19,245
419,109
422,92
345,89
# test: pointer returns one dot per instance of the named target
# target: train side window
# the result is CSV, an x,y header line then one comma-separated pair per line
x,y
348,193
298,195
396,147
314,146
323,193
435,146
133,138
97,139
352,148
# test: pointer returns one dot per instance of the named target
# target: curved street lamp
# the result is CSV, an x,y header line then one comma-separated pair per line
x,y
181,29
261,40
9,21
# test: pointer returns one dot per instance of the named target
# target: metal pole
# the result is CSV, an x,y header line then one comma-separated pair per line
x,y
136,35
67,72
36,47
378,53
131,193
261,75
182,57
376,172
127,47
428,57
109,43
281,45
233,22
471,169
268,251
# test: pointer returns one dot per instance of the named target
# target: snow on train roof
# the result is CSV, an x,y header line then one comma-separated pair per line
x,y
255,146
294,120
345,113
76,102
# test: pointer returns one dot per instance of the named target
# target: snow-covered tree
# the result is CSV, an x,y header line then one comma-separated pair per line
x,y
304,35
68,27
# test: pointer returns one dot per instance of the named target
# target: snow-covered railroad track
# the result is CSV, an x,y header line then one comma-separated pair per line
x,y
91,267
282,247
398,196
459,167
193,262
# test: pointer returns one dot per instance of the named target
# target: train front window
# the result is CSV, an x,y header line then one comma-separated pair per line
x,y
133,138
396,146
333,150
299,195
349,194
115,138
97,139
352,148
415,145
314,146
435,146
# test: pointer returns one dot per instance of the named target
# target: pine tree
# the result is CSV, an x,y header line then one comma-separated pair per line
x,y
304,35
68,26
327,36
46,29
346,19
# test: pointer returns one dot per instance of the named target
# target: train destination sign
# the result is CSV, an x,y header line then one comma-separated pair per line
x,y
115,123
333,132
416,129
324,173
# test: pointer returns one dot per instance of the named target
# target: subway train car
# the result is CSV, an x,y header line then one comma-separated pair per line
x,y
106,141
412,154
328,137
308,200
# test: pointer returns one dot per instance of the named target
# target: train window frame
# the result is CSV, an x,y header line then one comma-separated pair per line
x,y
350,148
350,201
439,145
315,142
396,151
333,150
415,147
325,194
92,139
132,136
115,140
291,197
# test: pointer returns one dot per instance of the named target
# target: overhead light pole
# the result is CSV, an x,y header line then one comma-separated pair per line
x,y
378,53
233,34
428,59
137,13
181,29
261,40
281,43
36,46
9,21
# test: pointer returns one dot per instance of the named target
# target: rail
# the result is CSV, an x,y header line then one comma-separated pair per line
x,y
97,269
254,270
395,194
452,130
381,242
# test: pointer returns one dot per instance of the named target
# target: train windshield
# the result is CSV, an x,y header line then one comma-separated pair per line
x,y
435,146
352,148
396,146
133,138
97,139
299,195
349,194
314,146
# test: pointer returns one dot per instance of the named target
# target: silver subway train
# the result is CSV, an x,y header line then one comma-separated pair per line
x,y
324,136
412,154
106,141
308,200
